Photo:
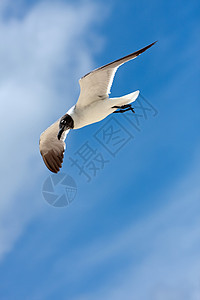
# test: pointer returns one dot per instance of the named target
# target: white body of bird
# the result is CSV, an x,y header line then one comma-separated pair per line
x,y
98,110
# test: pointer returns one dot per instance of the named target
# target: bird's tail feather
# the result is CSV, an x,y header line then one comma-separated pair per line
x,y
129,98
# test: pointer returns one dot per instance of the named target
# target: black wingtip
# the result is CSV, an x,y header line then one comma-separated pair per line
x,y
154,42
123,59
145,48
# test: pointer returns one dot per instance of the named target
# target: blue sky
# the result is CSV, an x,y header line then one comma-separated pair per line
x,y
133,231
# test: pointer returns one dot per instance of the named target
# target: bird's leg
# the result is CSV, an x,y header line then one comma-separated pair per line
x,y
123,108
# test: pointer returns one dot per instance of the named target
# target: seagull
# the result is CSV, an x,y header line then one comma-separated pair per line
x,y
93,105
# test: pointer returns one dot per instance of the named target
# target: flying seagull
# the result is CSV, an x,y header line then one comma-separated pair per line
x,y
93,105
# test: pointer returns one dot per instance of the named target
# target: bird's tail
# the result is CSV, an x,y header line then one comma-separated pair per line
x,y
129,98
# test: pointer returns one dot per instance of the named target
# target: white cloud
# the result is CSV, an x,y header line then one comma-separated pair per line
x,y
42,53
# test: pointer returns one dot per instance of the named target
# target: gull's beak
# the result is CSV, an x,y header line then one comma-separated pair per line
x,y
60,132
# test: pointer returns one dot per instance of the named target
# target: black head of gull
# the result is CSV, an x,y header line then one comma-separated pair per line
x,y
66,122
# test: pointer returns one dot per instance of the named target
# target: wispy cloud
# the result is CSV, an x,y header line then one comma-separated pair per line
x,y
42,53
156,257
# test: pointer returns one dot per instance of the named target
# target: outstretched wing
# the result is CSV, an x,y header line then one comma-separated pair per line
x,y
52,149
97,84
